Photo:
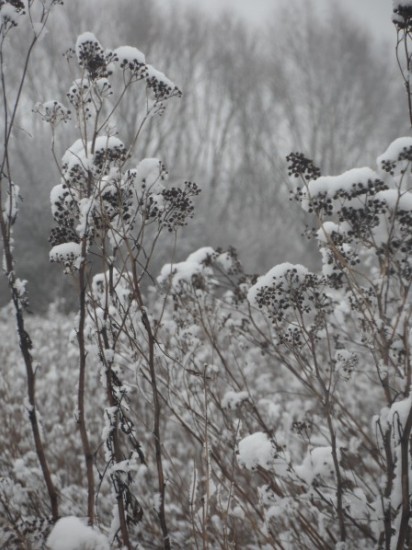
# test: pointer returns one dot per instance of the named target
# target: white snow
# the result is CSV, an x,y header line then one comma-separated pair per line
x,y
277,272
103,143
396,200
318,462
70,533
86,209
20,286
331,185
129,54
329,227
159,76
81,40
183,272
121,287
256,450
103,86
79,156
225,261
80,84
168,87
201,255
179,273
60,194
233,400
73,151
66,252
394,150
148,174
75,156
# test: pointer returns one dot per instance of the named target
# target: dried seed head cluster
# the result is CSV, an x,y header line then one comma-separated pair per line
x,y
299,165
390,164
161,86
179,206
91,56
131,61
96,197
288,289
53,112
10,10
402,14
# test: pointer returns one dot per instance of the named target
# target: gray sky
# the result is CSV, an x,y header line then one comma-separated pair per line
x,y
374,14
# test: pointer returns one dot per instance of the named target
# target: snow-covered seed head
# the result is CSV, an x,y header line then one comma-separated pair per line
x,y
91,55
162,87
402,13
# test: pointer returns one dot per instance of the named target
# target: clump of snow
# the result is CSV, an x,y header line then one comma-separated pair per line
x,y
233,400
330,186
62,201
86,210
107,142
111,285
278,272
147,176
74,150
179,273
395,149
256,450
396,157
202,255
79,158
83,38
317,464
66,253
70,533
329,228
86,46
20,286
104,87
226,262
186,272
162,87
75,158
396,200
131,59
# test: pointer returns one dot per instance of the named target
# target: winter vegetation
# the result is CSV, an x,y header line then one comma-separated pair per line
x,y
314,87
175,399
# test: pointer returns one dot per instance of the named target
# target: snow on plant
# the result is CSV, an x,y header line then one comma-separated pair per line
x,y
70,533
256,450
103,207
215,408
363,229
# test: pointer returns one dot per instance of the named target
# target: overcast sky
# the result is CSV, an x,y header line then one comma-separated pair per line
x,y
374,14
